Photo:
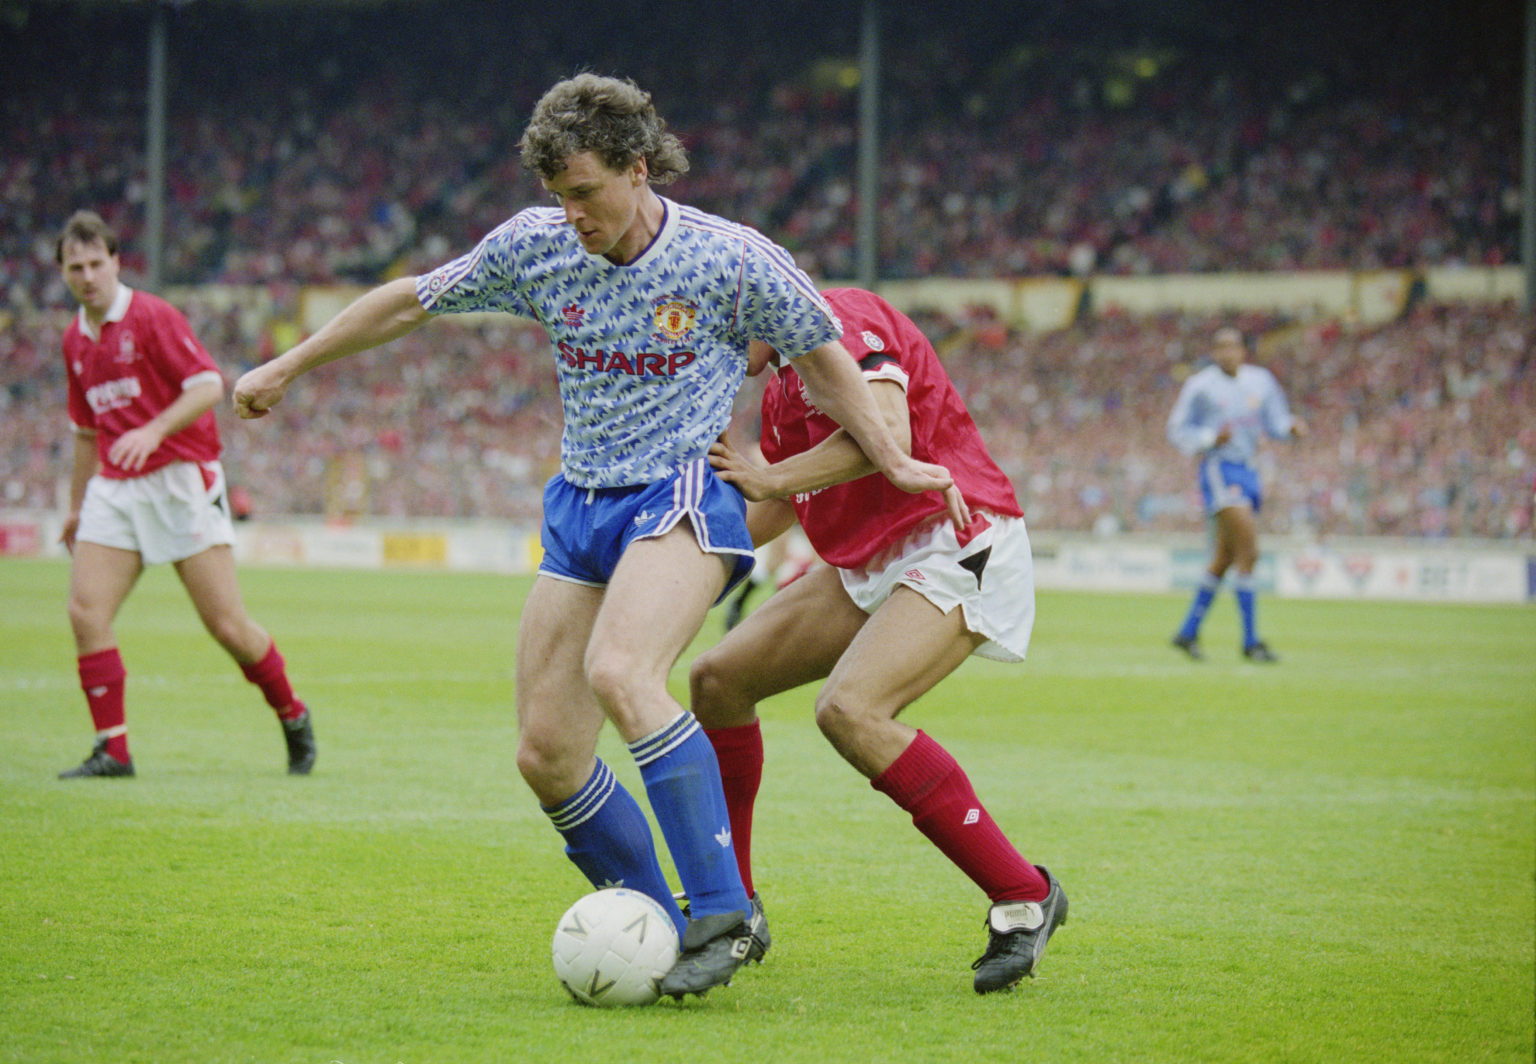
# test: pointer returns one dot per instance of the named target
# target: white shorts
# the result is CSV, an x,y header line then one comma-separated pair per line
x,y
170,514
991,579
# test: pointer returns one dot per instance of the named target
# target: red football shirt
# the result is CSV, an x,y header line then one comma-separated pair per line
x,y
851,523
137,366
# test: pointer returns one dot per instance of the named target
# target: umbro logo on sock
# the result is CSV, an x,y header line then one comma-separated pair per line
x,y
723,837
972,816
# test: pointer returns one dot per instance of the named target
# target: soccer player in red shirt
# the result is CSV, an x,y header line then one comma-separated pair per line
x,y
146,488
906,597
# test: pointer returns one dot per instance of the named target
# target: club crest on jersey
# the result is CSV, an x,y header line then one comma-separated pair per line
x,y
674,317
126,352
871,341
572,315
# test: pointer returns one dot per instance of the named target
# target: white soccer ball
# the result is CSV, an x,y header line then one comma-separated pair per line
x,y
612,948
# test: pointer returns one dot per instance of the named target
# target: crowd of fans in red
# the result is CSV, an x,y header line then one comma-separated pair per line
x,y
1013,162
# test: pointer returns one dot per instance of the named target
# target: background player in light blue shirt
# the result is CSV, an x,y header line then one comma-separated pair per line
x,y
649,307
1221,415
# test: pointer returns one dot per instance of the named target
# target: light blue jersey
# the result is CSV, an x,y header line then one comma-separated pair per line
x,y
649,355
1250,404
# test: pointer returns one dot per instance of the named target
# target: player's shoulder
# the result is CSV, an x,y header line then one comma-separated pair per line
x,y
531,224
703,224
1257,374
858,302
147,306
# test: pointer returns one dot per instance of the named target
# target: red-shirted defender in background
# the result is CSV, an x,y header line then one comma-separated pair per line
x,y
906,597
147,487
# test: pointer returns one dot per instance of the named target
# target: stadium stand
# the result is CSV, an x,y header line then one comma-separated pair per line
x,y
1018,160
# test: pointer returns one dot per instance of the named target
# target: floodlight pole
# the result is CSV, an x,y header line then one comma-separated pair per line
x,y
154,177
1528,177
869,148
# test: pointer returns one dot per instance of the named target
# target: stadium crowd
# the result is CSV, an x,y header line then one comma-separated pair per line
x,y
997,160
1420,428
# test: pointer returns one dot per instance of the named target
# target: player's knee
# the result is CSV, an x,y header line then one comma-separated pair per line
x,y
543,767
708,688
230,632
841,716
86,619
619,683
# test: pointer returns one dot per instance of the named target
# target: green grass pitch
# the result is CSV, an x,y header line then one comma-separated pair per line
x,y
1326,860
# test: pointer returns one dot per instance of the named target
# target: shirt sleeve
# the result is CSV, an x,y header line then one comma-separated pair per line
x,y
1276,412
1184,429
780,304
179,353
483,278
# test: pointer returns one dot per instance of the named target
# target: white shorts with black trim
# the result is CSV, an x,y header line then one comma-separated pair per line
x,y
173,513
991,579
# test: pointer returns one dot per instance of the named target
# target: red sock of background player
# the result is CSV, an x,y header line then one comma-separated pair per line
x,y
931,785
740,753
102,678
271,675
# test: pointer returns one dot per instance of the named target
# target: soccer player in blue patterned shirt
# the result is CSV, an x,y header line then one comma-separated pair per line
x,y
649,306
1221,415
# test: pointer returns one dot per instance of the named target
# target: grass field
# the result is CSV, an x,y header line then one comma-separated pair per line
x,y
1328,860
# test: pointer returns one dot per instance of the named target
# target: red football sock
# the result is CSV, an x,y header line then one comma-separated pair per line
x,y
103,678
740,753
271,675
929,784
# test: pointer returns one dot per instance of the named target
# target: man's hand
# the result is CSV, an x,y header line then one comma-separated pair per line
x,y
259,390
736,468
71,527
132,449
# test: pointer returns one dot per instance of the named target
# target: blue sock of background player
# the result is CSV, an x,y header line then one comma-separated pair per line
x,y
1204,595
1242,587
608,838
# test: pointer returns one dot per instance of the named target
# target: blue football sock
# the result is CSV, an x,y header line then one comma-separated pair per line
x,y
608,838
1242,587
682,780
1205,594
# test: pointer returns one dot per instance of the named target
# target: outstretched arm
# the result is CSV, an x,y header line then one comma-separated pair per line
x,y
384,314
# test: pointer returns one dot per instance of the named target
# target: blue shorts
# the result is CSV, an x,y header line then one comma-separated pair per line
x,y
1224,484
586,530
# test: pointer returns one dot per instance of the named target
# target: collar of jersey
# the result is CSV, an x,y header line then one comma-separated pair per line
x,y
114,313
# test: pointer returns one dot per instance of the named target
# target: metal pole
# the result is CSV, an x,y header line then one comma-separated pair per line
x,y
869,148
1528,176
154,177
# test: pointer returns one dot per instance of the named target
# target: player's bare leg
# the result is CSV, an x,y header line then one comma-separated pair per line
x,y
794,638
905,649
656,602
100,579
1227,535
214,589
658,597
558,720
212,585
1238,528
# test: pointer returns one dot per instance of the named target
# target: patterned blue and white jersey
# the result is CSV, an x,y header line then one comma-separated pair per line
x,y
1250,404
649,355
